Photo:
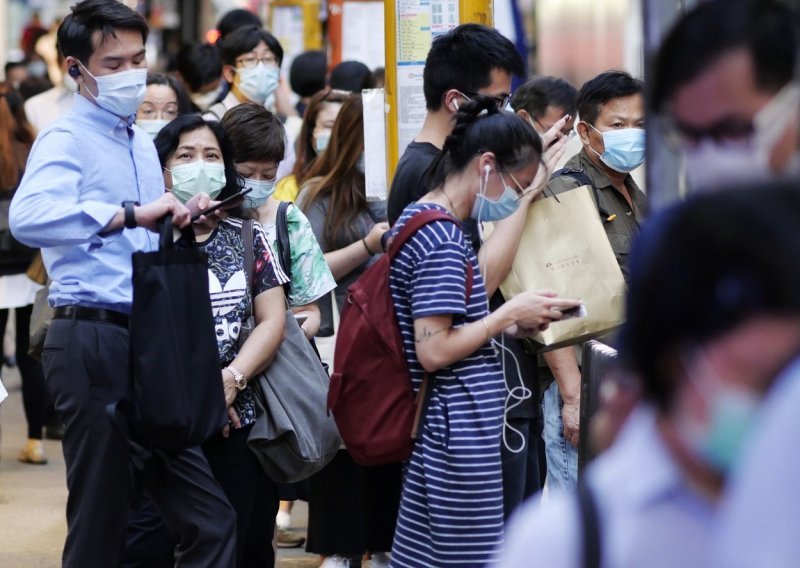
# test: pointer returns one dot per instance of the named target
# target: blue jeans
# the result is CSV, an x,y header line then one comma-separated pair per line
x,y
562,457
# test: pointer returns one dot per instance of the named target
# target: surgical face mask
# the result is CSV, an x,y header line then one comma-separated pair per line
x,y
715,164
151,126
197,177
730,413
205,100
119,93
257,83
624,148
261,191
321,141
37,69
484,209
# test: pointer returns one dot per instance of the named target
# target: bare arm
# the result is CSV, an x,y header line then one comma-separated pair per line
x,y
564,366
311,312
344,260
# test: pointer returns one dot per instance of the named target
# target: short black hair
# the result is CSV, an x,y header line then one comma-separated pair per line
x,y
696,275
255,133
307,73
351,76
482,127
538,93
464,58
169,137
245,40
768,30
199,65
604,88
235,19
184,104
11,65
74,36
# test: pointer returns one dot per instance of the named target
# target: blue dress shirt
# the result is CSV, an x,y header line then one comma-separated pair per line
x,y
80,170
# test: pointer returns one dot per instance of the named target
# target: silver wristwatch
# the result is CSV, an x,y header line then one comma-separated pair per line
x,y
238,377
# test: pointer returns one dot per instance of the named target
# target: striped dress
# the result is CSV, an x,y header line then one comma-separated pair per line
x,y
451,510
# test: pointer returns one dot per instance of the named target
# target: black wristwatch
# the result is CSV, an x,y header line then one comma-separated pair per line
x,y
130,217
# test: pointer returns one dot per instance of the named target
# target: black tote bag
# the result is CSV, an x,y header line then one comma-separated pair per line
x,y
178,401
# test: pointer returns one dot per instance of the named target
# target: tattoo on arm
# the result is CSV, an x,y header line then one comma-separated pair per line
x,y
427,334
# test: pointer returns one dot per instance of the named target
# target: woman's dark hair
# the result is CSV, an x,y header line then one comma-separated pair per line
x,y
340,179
698,273
482,127
351,76
184,104
603,88
74,36
245,40
16,137
304,146
307,73
255,134
169,138
199,65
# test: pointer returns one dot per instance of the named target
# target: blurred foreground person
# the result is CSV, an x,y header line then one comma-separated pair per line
x,y
725,79
713,317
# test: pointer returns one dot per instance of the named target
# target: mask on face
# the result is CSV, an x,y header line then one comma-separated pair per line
x,y
205,100
151,126
259,82
321,141
624,148
37,69
119,93
261,191
484,209
730,415
197,177
711,164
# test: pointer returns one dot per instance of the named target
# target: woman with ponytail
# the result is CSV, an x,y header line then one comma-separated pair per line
x,y
451,511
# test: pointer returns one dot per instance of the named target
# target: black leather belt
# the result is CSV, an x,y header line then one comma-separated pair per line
x,y
91,314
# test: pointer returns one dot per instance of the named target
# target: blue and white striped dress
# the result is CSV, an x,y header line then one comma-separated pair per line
x,y
451,511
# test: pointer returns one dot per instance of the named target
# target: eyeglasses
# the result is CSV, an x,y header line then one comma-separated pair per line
x,y
249,61
501,100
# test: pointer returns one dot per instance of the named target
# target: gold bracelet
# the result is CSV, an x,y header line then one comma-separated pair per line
x,y
486,327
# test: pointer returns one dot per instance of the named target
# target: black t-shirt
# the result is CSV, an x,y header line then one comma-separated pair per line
x,y
410,182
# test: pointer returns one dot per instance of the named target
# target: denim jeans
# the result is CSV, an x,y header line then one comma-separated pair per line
x,y
562,457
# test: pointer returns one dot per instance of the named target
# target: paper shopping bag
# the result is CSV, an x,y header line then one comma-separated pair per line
x,y
564,248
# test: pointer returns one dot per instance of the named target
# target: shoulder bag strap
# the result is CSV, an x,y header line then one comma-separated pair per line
x,y
582,178
249,255
284,244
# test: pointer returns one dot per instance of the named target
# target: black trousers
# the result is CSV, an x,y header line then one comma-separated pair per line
x,y
87,366
34,388
253,495
520,466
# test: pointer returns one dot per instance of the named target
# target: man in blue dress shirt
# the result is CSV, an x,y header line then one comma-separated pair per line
x,y
79,201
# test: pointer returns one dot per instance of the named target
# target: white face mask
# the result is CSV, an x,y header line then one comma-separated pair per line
x,y
261,191
259,82
713,164
151,126
205,100
119,93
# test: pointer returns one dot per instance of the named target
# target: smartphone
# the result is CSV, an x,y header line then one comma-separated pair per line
x,y
573,312
223,203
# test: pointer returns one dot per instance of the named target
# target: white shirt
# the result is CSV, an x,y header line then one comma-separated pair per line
x,y
648,514
46,107
759,523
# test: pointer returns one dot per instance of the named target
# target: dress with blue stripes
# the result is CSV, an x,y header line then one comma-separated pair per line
x,y
451,511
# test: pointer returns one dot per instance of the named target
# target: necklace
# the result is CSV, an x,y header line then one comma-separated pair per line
x,y
452,207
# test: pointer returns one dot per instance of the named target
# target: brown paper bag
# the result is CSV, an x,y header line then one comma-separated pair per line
x,y
564,248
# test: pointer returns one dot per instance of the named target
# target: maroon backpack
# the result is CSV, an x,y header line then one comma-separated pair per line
x,y
371,395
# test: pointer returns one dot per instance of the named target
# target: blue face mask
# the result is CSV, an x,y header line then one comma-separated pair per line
x,y
484,209
624,149
262,190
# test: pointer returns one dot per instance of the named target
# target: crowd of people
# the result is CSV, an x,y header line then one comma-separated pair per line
x,y
691,417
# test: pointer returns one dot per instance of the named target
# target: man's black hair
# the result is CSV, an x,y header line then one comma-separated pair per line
x,y
184,103
604,88
74,36
538,93
11,65
696,275
199,65
235,19
766,29
245,40
351,76
307,73
464,58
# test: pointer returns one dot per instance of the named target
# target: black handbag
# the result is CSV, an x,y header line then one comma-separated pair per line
x,y
178,400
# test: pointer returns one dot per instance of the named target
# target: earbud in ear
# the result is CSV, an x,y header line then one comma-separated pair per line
x,y
487,168
73,71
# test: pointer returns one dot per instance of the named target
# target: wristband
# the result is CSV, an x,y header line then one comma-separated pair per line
x,y
130,215
369,252
486,327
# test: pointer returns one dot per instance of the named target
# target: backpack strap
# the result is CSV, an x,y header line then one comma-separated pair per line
x,y
590,526
583,178
249,255
284,244
414,224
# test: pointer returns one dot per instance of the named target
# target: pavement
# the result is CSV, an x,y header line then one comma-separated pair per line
x,y
33,498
